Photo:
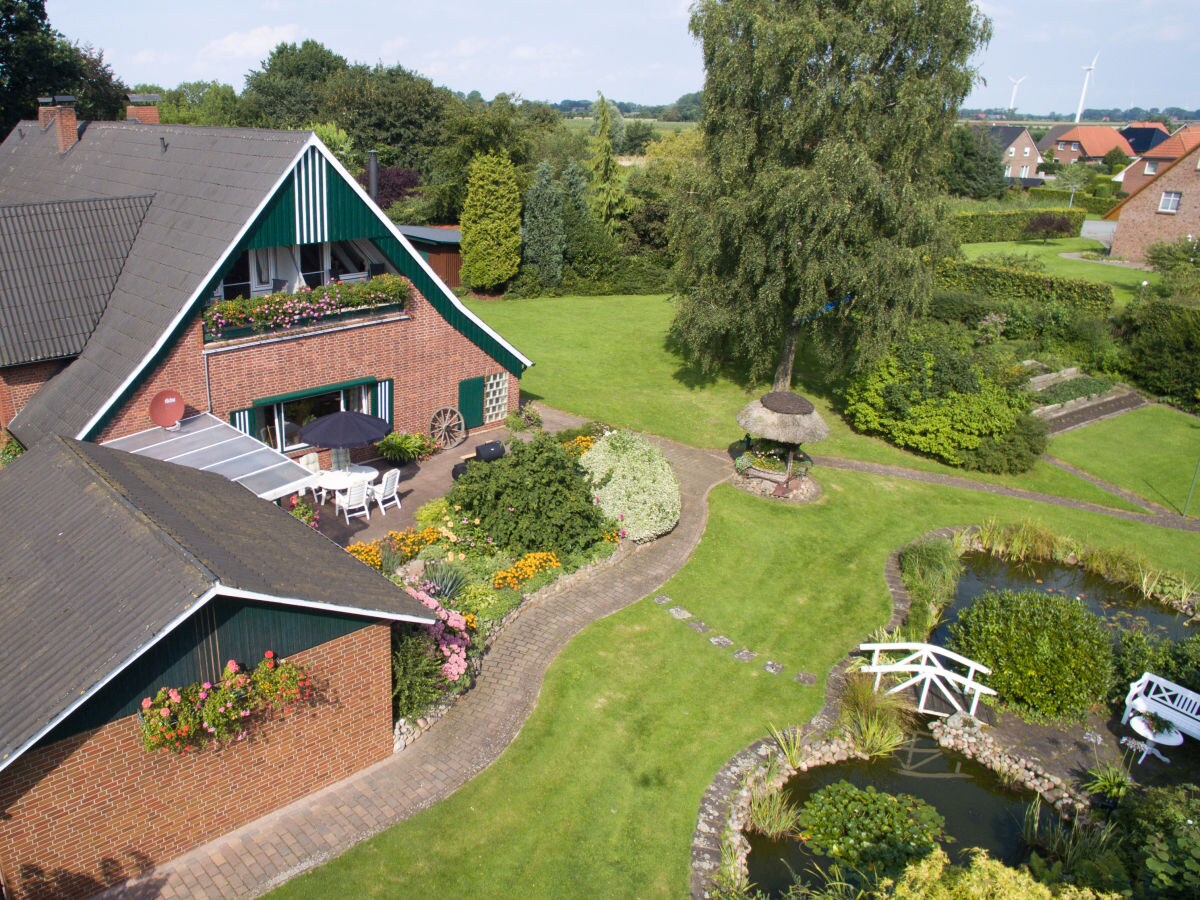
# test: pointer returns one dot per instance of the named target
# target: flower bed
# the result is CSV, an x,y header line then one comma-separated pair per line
x,y
273,312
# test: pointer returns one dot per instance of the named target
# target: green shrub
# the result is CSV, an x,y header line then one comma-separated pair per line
x,y
1097,206
1026,262
1161,841
987,225
402,448
635,484
1072,389
431,514
9,450
523,418
1011,453
587,429
1028,287
1163,350
491,222
1047,225
865,829
1051,658
417,680
535,498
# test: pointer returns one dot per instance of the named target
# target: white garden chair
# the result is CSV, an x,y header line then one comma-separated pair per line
x,y
356,497
386,491
312,462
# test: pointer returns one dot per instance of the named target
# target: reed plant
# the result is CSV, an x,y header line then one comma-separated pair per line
x,y
790,743
1070,843
876,722
772,814
930,568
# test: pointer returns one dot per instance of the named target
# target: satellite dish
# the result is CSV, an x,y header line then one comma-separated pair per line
x,y
166,409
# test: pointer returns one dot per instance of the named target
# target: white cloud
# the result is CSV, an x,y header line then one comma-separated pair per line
x,y
254,44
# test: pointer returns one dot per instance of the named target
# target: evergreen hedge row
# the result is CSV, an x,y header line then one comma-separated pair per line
x,y
1096,205
1025,287
1006,224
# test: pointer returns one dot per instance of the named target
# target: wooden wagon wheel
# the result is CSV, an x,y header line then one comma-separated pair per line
x,y
447,427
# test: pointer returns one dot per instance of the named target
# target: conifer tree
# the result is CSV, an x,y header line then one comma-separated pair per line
x,y
543,232
491,223
610,202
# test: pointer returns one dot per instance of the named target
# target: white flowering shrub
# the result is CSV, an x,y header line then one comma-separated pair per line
x,y
633,484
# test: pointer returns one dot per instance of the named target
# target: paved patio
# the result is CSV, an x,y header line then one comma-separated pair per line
x,y
471,736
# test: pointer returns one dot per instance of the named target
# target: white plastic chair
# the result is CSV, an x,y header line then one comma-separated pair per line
x,y
386,491
312,462
356,497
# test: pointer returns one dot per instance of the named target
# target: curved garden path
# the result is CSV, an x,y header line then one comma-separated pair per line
x,y
465,741
478,728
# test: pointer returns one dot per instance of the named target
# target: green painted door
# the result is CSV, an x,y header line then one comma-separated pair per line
x,y
470,401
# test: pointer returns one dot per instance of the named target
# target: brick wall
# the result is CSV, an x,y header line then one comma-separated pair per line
x,y
1018,158
423,354
18,384
97,808
1135,175
1140,224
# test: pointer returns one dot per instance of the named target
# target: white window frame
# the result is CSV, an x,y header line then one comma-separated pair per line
x,y
1062,145
1075,145
262,270
495,397
1008,171
1169,202
1152,167
1025,151
1025,171
1012,151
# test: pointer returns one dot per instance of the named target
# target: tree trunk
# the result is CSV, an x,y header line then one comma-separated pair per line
x,y
787,357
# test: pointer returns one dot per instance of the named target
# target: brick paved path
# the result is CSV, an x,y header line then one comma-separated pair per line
x,y
462,743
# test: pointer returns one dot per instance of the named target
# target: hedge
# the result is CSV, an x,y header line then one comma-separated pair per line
x,y
1021,286
1095,205
1005,224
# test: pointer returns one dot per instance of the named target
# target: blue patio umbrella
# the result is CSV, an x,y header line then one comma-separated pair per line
x,y
345,430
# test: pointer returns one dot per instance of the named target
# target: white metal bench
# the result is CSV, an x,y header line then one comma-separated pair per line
x,y
1176,704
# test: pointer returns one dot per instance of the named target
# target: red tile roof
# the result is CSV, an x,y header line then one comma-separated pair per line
x,y
1176,145
1159,125
1096,140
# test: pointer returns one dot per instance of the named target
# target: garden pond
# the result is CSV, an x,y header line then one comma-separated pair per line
x,y
985,574
978,810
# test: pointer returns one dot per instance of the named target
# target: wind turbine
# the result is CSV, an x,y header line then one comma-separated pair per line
x,y
1087,76
1016,83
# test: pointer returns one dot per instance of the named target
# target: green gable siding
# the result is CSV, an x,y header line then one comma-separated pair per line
x,y
350,218
407,266
198,649
276,224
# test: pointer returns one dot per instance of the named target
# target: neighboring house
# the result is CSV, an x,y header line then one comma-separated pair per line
x,y
121,574
1019,152
91,330
1046,146
1165,209
440,246
1144,170
1088,144
1144,136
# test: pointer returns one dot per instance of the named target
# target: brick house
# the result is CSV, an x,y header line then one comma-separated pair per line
x,y
1019,152
1088,144
1145,169
1164,209
91,329
122,574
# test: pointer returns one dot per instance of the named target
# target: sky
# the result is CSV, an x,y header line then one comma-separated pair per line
x,y
634,50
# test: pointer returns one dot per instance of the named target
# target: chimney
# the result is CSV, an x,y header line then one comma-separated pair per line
x,y
66,127
45,112
373,175
142,108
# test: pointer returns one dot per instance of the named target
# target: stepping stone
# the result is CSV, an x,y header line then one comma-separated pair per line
x,y
773,667
808,679
679,612
697,625
662,599
721,641
745,654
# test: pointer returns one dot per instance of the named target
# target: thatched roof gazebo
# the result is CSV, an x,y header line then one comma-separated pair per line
x,y
784,417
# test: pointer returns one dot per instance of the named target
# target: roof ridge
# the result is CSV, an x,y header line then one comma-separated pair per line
x,y
115,488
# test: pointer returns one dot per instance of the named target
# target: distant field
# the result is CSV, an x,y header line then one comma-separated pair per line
x,y
584,123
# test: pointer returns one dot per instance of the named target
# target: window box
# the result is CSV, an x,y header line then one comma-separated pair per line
x,y
323,305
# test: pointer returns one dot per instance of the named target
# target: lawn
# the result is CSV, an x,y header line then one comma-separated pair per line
x,y
598,794
606,358
1152,451
1126,282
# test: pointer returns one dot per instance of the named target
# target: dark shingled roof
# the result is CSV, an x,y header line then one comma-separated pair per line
x,y
1050,139
206,185
1144,138
103,553
59,262
1004,135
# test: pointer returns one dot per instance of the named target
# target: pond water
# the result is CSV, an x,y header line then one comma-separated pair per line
x,y
1124,609
978,811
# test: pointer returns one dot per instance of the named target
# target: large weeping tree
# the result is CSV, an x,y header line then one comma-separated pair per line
x,y
815,209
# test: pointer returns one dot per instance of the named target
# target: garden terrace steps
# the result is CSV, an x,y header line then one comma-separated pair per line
x,y
1104,407
461,744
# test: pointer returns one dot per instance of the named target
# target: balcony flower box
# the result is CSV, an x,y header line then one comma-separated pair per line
x,y
307,307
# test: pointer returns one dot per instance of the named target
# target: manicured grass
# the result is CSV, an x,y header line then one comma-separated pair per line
x,y
1151,451
606,358
1126,282
598,795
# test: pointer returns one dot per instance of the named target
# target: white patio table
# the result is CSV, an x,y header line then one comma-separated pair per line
x,y
1165,738
337,480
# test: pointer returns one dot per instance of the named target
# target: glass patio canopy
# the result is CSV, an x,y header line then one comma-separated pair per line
x,y
205,442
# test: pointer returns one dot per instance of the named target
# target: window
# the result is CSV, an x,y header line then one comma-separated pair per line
x,y
1062,145
1025,151
1025,171
1012,151
280,423
495,397
1008,171
1074,145
1151,167
1170,201
237,280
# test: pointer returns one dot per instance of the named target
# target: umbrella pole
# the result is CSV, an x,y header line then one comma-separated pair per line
x,y
788,475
